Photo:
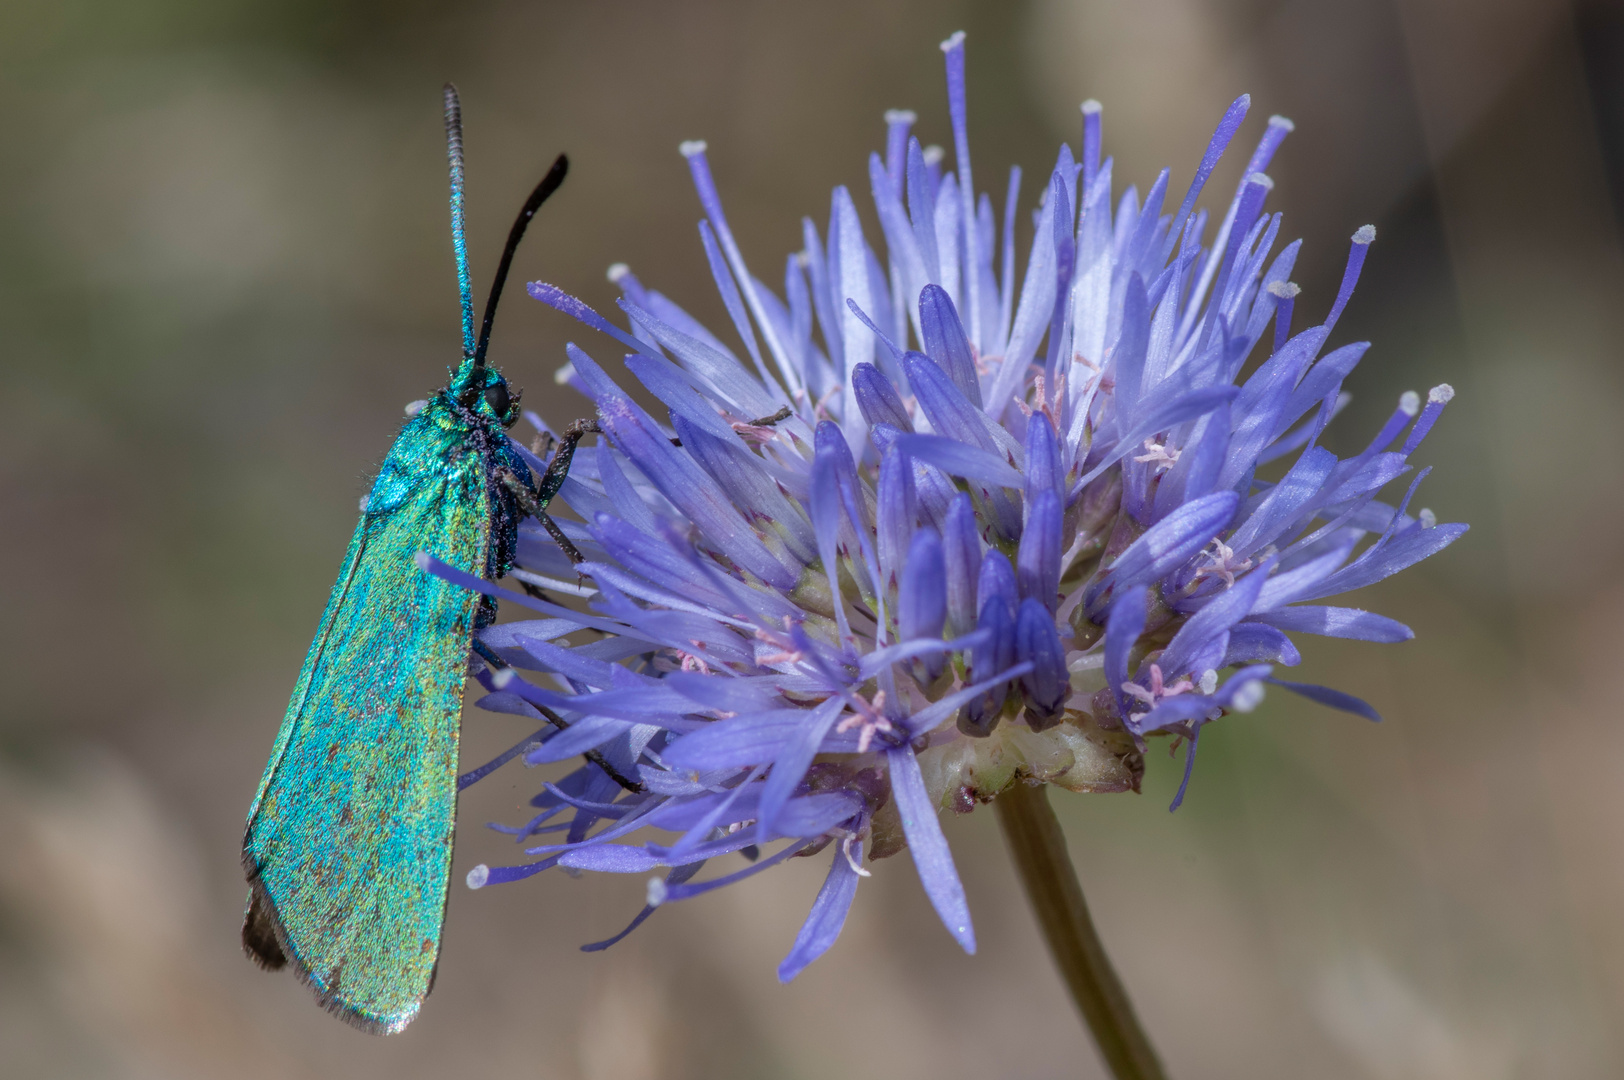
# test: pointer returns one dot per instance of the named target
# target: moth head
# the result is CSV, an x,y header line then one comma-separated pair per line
x,y
502,401
482,391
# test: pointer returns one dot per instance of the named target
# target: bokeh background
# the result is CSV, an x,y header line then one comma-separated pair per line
x,y
225,269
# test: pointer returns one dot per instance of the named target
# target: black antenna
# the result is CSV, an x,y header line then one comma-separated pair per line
x,y
548,185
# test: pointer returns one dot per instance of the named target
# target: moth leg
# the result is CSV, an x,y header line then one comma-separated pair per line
x,y
535,503
558,536
531,506
559,468
487,654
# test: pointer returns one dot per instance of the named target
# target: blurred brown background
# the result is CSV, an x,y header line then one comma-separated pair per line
x,y
226,268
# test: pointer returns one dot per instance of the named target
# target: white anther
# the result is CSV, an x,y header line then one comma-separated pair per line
x,y
1285,290
618,271
900,116
564,374
1091,106
657,891
953,42
1365,235
478,876
845,849
1442,394
1209,682
1247,698
1427,518
1262,180
691,147
1278,121
932,154
415,407
1409,403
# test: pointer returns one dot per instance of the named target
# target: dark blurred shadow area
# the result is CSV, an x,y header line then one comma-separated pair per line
x,y
227,269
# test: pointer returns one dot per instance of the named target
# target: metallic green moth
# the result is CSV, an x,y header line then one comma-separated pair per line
x,y
347,849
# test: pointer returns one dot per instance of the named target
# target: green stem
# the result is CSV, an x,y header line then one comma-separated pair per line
x,y
1039,849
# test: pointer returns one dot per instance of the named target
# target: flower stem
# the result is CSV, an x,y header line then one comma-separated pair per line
x,y
1039,849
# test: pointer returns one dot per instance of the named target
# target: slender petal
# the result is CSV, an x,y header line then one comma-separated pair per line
x,y
1038,560
922,602
989,660
828,915
1337,622
1047,685
1122,629
961,551
930,854
1336,699
895,513
946,343
878,398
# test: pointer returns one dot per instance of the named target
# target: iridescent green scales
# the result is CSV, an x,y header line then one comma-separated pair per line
x,y
348,844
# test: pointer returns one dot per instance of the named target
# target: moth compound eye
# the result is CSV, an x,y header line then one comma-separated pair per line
x,y
496,396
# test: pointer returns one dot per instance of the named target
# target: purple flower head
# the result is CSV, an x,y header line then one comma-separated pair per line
x,y
921,523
